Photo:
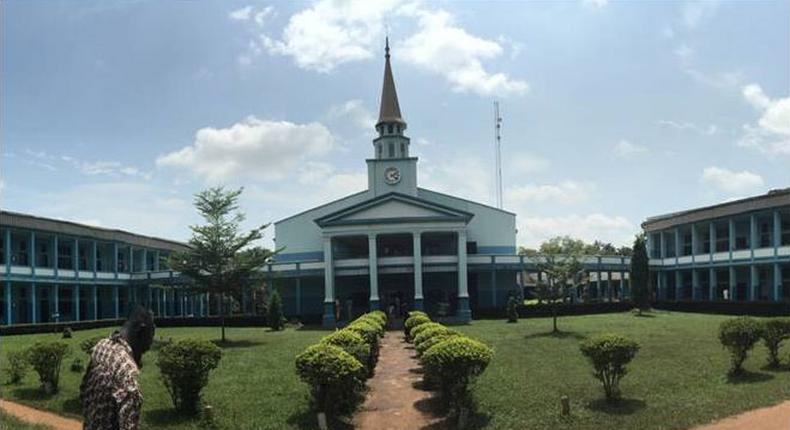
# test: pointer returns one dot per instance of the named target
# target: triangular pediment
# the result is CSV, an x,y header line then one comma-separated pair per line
x,y
393,208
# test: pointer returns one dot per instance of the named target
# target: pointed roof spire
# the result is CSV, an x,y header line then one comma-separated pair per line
x,y
390,110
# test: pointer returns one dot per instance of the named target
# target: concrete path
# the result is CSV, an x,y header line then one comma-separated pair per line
x,y
35,416
770,418
393,402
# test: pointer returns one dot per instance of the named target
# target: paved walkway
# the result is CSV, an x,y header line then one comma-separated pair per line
x,y
35,416
393,402
770,418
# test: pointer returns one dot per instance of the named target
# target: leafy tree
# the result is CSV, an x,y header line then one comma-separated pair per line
x,y
221,259
564,273
275,317
640,275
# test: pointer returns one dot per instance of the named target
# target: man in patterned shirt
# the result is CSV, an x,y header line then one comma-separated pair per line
x,y
110,394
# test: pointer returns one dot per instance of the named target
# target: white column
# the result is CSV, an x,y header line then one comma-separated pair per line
x,y
463,289
417,270
329,284
373,269
777,282
754,282
694,284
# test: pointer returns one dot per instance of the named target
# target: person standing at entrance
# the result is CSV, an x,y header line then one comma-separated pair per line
x,y
110,393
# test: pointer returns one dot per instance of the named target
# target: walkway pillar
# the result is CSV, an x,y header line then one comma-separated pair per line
x,y
754,283
695,288
9,319
115,302
95,300
373,270
329,284
464,313
75,303
777,282
33,303
678,285
712,283
418,298
733,284
56,302
298,295
609,286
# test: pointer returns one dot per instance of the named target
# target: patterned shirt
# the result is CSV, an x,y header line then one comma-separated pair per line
x,y
110,394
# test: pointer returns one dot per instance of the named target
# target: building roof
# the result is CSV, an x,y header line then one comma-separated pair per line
x,y
772,199
390,109
437,211
70,228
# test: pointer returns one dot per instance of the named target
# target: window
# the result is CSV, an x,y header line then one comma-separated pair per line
x,y
64,257
765,234
83,258
391,149
722,238
20,258
403,149
687,244
389,129
42,258
379,147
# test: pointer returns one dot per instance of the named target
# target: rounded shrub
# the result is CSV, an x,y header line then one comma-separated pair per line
x,y
453,363
46,359
274,314
372,320
336,379
433,340
378,316
381,315
185,366
609,353
354,344
67,333
369,331
17,366
412,322
76,365
774,332
512,309
428,333
419,329
415,313
738,336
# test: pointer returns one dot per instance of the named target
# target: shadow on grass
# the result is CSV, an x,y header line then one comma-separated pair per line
x,y
72,406
557,335
617,407
646,315
417,370
435,408
237,343
747,377
164,417
308,419
28,393
775,369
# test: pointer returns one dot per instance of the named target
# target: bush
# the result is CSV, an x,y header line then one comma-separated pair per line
x,y
454,363
415,313
738,336
417,330
437,338
354,344
368,330
429,332
412,322
372,320
336,379
46,359
67,333
185,366
774,331
88,344
609,353
17,366
378,316
512,309
76,365
275,317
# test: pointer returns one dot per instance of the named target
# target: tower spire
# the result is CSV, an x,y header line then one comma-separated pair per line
x,y
389,113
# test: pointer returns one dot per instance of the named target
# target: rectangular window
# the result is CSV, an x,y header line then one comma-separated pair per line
x,y
402,150
64,257
705,243
765,235
722,238
391,149
687,244
42,258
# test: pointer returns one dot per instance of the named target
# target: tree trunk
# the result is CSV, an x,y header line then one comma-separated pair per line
x,y
222,315
554,316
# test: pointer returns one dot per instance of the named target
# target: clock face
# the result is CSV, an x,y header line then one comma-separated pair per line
x,y
392,175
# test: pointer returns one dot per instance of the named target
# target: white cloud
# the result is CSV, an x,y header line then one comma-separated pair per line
x,y
253,148
708,130
686,58
442,47
463,177
694,13
355,111
524,163
566,192
626,149
331,33
109,168
771,134
618,230
731,182
598,4
241,14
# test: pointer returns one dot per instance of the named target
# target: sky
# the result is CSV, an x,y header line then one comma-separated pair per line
x,y
115,113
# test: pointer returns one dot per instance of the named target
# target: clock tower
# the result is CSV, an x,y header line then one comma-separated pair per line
x,y
391,169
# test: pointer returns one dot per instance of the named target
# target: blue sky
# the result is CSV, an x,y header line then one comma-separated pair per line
x,y
116,113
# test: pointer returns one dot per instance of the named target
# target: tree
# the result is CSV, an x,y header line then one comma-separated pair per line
x,y
275,317
564,273
640,275
221,259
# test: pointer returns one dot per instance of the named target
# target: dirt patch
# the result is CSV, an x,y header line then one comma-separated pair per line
x,y
35,416
771,418
395,400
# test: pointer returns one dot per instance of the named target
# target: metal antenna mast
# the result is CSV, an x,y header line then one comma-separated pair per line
x,y
498,148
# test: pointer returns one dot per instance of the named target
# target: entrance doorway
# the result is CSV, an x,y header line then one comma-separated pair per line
x,y
396,293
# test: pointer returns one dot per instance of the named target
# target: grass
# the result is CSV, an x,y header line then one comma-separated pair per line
x,y
255,386
8,422
677,380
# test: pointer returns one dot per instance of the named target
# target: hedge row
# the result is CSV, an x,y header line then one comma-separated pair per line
x,y
337,366
451,360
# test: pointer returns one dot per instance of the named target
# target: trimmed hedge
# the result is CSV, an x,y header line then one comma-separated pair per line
x,y
413,322
429,332
428,343
774,332
336,367
46,359
185,366
609,353
420,328
738,336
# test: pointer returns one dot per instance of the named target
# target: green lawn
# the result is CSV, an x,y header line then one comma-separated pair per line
x,y
8,422
678,378
255,386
